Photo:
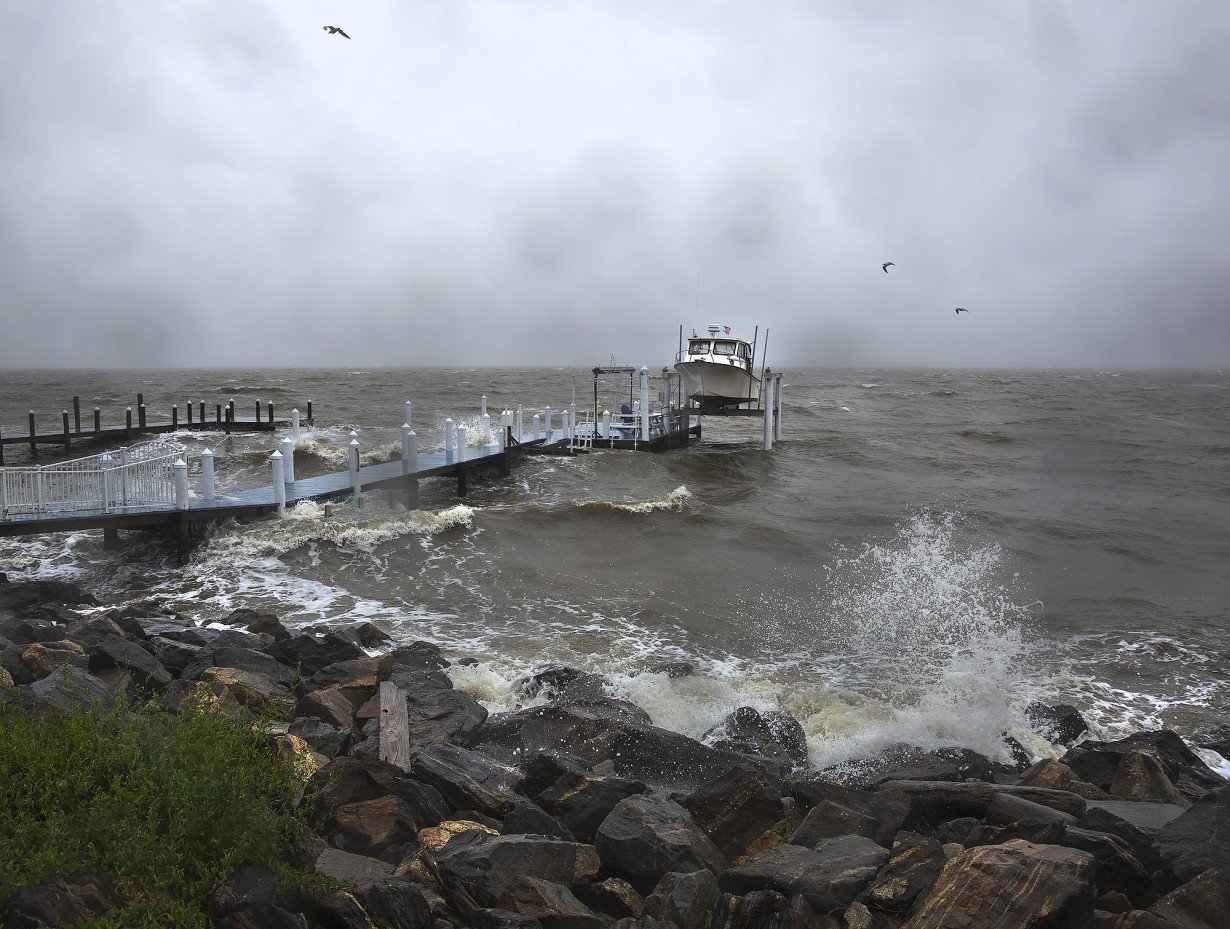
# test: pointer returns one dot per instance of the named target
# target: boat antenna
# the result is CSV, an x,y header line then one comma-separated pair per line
x,y
697,292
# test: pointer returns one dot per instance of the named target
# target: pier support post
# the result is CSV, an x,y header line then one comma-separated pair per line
x,y
175,416
141,415
777,409
546,421
258,412
207,473
411,464
294,425
202,412
356,481
463,435
606,425
189,405
108,492
537,424
483,405
405,448
644,403
77,415
279,481
97,420
217,413
181,484
767,405
520,423
288,460
450,438
33,443
486,421
128,424
269,410
309,412
68,442
111,539
228,419
409,410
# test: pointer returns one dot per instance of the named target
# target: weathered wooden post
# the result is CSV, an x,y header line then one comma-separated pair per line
x,y
767,404
269,410
356,481
463,435
77,415
450,437
207,474
128,424
202,412
33,443
140,398
279,481
258,412
288,460
536,422
189,405
68,442
644,403
175,416
97,420
218,413
141,415
294,425
228,419
309,412
394,726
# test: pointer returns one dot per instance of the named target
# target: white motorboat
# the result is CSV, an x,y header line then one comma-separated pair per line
x,y
717,370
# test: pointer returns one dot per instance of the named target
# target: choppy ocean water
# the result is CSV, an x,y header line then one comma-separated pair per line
x,y
924,553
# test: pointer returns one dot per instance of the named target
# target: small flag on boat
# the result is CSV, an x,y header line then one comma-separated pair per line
x,y
727,328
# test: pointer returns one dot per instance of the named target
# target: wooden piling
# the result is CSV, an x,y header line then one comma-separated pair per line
x,y
202,412
128,424
394,726
309,411
33,443
141,415
218,413
1,451
258,413
97,420
183,538
77,414
270,414
462,468
68,442
189,412
174,416
111,539
230,416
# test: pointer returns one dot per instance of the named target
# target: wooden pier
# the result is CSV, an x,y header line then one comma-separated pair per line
x,y
220,417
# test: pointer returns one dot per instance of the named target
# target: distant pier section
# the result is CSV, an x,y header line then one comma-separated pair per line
x,y
197,415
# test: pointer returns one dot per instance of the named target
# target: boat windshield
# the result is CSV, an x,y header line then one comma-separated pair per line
x,y
724,348
698,347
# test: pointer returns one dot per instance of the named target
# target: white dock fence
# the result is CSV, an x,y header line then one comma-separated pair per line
x,y
138,476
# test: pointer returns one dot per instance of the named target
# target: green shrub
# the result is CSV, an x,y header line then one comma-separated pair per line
x,y
169,805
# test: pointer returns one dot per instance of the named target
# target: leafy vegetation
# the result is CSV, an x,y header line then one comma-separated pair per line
x,y
164,805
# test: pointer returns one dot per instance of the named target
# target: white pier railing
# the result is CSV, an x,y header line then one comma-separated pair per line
x,y
139,476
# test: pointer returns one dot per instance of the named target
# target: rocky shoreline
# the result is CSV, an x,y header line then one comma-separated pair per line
x,y
579,813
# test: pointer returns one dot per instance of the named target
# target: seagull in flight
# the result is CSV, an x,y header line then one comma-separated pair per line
x,y
961,309
887,265
336,30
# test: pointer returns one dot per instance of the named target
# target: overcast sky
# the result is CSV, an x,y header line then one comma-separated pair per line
x,y
205,182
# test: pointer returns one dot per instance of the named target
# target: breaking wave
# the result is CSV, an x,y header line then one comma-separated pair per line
x,y
677,499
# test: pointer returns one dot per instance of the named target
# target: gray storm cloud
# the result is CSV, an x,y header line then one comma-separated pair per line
x,y
482,182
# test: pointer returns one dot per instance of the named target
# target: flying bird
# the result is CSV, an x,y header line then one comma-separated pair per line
x,y
332,30
887,265
961,309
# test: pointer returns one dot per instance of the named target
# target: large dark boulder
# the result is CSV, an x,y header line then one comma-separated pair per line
x,y
357,780
888,808
22,630
907,763
114,652
1016,884
1215,738
688,900
385,827
828,820
58,902
440,713
1055,775
396,903
1060,723
768,909
245,659
261,623
253,690
1199,839
490,868
1118,867
553,905
646,836
18,595
467,780
775,734
914,863
1201,903
528,818
69,686
310,652
1097,762
936,801
1141,776
581,800
174,655
736,808
830,876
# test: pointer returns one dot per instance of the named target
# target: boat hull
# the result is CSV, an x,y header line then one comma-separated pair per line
x,y
714,386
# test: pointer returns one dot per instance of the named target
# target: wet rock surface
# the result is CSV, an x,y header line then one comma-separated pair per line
x,y
581,813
